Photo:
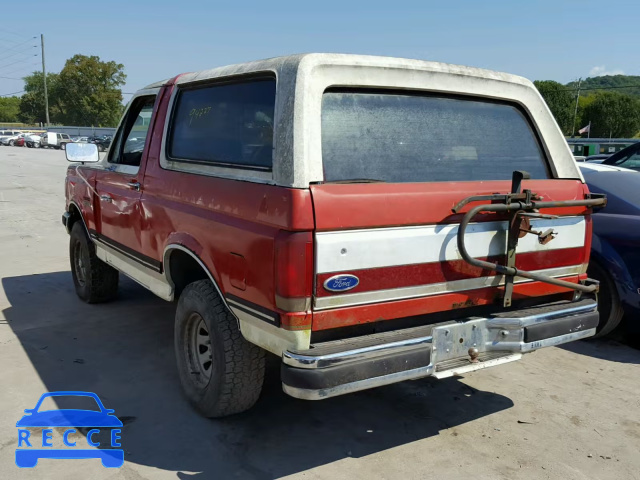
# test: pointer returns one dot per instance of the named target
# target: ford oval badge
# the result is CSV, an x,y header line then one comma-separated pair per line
x,y
341,283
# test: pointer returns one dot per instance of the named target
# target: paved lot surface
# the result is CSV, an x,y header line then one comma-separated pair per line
x,y
566,413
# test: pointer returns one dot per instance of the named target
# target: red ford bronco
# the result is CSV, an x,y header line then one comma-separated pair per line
x,y
369,220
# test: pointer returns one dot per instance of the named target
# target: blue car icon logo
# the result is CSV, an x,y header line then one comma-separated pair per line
x,y
28,453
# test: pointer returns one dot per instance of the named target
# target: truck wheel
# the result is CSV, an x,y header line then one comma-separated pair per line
x,y
221,373
95,281
609,305
63,146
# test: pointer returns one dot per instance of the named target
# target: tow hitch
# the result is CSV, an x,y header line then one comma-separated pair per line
x,y
521,206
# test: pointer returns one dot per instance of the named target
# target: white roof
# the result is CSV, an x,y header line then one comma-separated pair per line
x,y
289,65
305,77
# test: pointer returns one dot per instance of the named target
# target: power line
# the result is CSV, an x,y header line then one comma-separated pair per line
x,y
4,30
20,52
11,94
13,63
22,69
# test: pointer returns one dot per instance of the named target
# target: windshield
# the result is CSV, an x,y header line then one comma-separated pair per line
x,y
627,158
400,137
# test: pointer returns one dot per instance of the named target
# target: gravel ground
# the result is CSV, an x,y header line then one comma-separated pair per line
x,y
565,413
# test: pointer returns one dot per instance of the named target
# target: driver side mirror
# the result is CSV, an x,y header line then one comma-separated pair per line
x,y
82,152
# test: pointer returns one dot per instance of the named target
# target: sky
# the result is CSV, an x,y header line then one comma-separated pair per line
x,y
542,40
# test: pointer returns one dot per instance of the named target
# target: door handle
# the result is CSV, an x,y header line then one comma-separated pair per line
x,y
134,186
106,198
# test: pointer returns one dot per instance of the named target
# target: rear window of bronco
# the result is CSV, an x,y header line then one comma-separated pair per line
x,y
403,137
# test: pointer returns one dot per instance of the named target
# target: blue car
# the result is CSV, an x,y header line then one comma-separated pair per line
x,y
104,418
615,248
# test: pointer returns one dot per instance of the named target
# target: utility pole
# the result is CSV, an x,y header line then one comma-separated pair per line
x,y
575,113
44,76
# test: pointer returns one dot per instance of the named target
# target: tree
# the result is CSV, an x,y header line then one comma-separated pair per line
x,y
32,108
628,84
86,92
613,114
90,91
9,108
561,102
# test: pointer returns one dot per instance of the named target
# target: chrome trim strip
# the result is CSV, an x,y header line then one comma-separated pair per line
x,y
365,353
376,296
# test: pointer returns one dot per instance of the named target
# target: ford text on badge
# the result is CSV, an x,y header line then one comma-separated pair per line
x,y
341,283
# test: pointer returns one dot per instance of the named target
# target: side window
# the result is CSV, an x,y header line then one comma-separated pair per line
x,y
128,143
225,124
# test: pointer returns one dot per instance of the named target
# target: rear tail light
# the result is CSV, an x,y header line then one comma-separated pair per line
x,y
294,271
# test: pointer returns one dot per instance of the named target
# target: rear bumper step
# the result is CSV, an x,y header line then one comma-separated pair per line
x,y
443,350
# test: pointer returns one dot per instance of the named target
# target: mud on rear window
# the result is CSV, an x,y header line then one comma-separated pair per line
x,y
403,137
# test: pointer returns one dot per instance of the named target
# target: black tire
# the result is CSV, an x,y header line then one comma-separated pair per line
x,y
95,281
63,146
232,380
609,306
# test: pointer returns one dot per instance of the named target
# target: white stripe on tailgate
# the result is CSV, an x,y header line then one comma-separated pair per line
x,y
385,247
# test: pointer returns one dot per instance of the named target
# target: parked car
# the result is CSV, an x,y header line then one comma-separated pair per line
x,y
626,158
325,218
55,140
4,134
80,139
615,248
11,140
33,140
103,142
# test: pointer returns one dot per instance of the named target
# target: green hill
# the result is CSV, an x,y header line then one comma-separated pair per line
x,y
629,84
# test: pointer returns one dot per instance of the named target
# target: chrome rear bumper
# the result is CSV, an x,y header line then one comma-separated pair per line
x,y
443,350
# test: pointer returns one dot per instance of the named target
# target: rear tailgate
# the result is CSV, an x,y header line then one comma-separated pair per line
x,y
389,250
400,243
